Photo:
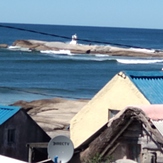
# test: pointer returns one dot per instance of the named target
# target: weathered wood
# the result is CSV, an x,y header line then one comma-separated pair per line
x,y
100,144
38,145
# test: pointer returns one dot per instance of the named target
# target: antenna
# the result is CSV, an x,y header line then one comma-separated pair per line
x,y
60,149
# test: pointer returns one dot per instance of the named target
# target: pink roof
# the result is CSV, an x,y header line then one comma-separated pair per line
x,y
154,112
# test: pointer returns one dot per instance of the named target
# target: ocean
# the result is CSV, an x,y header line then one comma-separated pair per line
x,y
27,75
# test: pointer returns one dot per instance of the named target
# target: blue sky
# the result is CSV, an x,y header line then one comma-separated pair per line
x,y
109,13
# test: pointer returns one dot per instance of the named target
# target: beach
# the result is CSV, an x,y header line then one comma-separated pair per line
x,y
52,115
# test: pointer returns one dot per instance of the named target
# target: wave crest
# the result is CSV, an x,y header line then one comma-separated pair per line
x,y
19,48
139,61
68,52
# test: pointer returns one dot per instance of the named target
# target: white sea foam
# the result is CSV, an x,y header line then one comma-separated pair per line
x,y
14,47
19,48
101,55
81,57
143,50
139,61
68,52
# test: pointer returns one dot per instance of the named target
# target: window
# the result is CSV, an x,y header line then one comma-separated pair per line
x,y
112,113
11,136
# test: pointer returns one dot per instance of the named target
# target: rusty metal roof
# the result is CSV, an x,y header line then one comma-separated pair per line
x,y
7,112
150,84
155,113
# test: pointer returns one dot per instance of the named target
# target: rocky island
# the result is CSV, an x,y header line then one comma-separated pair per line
x,y
36,45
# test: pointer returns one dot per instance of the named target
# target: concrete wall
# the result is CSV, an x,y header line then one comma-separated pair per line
x,y
26,131
116,94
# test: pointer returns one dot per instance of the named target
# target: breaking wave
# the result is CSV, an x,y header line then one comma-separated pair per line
x,y
139,61
105,58
68,52
143,50
18,48
67,55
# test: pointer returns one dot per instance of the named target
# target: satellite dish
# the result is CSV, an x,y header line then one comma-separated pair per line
x,y
125,161
60,149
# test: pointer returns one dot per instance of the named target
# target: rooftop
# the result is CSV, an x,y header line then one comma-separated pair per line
x,y
150,84
7,112
155,113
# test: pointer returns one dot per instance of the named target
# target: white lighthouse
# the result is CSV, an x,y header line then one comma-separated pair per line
x,y
74,39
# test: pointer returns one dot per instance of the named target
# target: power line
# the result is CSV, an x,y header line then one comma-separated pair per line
x,y
69,38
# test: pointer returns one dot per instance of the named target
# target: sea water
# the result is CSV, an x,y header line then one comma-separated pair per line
x,y
27,75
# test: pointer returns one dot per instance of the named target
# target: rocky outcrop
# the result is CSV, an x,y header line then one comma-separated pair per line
x,y
3,45
53,115
86,49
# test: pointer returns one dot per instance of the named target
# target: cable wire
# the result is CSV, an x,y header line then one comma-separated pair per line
x,y
69,38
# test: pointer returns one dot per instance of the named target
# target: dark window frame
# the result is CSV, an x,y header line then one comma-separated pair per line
x,y
11,136
112,113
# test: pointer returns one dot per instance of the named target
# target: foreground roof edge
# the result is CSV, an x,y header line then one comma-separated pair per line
x,y
7,112
154,73
9,159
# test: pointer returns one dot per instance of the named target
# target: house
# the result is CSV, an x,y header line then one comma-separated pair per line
x,y
135,133
17,129
125,88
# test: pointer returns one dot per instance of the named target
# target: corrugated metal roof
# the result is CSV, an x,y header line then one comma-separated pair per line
x,y
150,84
154,112
7,112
